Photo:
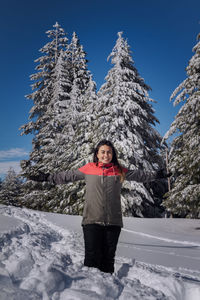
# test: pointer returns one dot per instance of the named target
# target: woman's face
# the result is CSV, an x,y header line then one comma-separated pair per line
x,y
105,154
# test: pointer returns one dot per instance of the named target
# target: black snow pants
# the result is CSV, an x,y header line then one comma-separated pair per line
x,y
100,246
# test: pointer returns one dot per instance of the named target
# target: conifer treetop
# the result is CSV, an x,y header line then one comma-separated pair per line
x,y
187,90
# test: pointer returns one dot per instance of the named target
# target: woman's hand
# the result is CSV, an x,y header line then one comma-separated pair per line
x,y
40,177
162,174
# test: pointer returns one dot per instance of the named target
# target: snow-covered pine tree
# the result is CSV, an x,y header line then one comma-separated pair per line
x,y
75,104
80,74
11,189
126,117
68,112
49,88
75,143
60,110
184,197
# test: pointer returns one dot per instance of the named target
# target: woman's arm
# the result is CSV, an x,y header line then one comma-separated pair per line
x,y
140,176
60,177
66,176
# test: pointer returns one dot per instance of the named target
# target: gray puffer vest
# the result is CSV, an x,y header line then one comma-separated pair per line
x,y
103,189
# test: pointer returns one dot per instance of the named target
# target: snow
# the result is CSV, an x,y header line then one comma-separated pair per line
x,y
42,258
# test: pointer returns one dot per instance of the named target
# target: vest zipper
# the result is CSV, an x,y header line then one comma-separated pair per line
x,y
102,178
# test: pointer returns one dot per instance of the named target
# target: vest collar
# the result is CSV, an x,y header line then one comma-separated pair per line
x,y
102,165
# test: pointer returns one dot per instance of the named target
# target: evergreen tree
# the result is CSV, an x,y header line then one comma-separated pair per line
x,y
184,197
11,189
43,114
126,118
77,107
60,110
80,74
73,146
62,132
50,87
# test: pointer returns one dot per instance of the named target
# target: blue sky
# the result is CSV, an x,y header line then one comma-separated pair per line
x,y
161,34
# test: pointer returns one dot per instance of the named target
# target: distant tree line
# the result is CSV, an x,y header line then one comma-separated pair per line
x,y
11,189
69,117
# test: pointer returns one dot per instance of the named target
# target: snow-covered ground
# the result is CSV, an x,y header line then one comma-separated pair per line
x,y
42,255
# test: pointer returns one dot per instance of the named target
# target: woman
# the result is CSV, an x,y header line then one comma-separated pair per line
x,y
102,215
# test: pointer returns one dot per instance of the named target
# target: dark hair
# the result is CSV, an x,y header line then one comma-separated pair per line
x,y
114,158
